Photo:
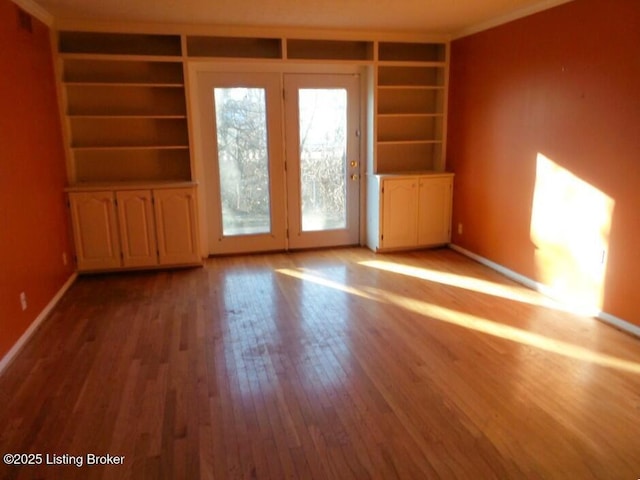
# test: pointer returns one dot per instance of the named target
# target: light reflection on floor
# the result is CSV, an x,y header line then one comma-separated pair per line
x,y
469,321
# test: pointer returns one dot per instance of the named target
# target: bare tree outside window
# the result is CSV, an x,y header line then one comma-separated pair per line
x,y
243,160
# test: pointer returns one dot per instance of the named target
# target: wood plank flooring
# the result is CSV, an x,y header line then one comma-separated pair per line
x,y
337,364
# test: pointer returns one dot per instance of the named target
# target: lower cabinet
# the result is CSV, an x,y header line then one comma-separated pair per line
x,y
409,211
132,228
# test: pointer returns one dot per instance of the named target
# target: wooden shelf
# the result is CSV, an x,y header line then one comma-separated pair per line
x,y
162,117
406,142
411,101
92,99
409,128
411,52
127,132
234,47
409,115
119,43
401,157
302,49
411,76
91,71
97,166
116,148
128,84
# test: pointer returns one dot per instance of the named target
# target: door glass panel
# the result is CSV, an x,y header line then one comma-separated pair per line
x,y
323,147
243,160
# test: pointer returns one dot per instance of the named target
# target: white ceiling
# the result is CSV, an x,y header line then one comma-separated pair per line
x,y
427,16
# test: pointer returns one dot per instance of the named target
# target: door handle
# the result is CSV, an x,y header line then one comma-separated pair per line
x,y
353,163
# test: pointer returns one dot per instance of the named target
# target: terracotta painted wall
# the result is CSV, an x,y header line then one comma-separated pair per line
x,y
33,221
563,83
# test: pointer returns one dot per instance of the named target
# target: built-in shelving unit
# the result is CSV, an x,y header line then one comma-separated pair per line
x,y
410,107
125,107
127,119
126,111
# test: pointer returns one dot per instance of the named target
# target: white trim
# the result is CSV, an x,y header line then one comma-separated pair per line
x,y
509,17
549,292
13,352
32,8
619,323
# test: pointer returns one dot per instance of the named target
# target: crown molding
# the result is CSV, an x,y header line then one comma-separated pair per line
x,y
509,17
35,10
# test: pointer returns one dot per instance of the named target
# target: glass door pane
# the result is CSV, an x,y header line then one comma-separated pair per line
x,y
323,149
243,160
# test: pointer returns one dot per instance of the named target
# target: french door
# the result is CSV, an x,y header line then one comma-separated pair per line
x,y
280,159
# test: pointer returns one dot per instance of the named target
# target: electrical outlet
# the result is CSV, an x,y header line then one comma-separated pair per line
x,y
459,228
23,301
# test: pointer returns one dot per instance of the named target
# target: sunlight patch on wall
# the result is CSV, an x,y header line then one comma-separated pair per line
x,y
570,226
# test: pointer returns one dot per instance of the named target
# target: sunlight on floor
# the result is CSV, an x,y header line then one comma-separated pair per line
x,y
302,275
473,322
509,292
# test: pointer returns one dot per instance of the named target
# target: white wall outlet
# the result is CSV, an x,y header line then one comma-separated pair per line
x,y
459,228
23,301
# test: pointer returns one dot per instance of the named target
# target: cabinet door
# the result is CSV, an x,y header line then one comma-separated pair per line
x,y
176,226
95,230
137,228
434,210
399,212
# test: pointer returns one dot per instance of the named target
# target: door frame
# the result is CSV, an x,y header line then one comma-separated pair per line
x,y
349,235
275,239
192,71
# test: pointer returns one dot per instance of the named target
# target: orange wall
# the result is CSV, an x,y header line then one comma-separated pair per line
x,y
565,83
33,222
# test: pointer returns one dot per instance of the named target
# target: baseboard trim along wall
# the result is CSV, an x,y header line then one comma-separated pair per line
x,y
11,354
547,291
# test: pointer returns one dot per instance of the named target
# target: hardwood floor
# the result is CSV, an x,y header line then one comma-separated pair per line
x,y
337,364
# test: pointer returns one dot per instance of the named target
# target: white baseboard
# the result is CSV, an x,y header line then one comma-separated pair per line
x,y
11,354
549,292
619,323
